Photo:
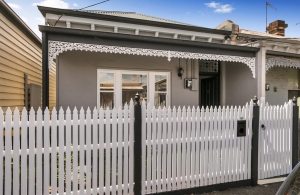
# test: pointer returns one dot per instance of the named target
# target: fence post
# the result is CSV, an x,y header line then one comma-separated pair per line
x,y
295,133
254,151
137,145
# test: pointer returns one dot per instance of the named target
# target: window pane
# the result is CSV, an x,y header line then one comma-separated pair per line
x,y
160,82
132,84
107,100
106,90
160,99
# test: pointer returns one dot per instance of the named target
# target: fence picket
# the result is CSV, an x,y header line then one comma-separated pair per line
x,y
183,166
114,151
144,131
120,152
219,138
107,152
68,151
131,139
31,175
206,141
46,139
101,150
197,151
149,138
75,151
81,151
159,142
188,148
16,147
53,151
61,166
193,147
169,159
179,145
24,134
164,149
174,161
95,151
39,146
202,149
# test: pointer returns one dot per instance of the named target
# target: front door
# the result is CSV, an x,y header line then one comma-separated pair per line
x,y
210,91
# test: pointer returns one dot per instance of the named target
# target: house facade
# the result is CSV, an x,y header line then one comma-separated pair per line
x,y
20,64
103,58
282,59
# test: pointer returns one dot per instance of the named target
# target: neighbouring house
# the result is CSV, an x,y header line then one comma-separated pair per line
x,y
104,57
282,59
21,64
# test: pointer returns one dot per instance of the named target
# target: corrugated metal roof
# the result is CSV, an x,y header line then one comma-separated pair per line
x,y
135,15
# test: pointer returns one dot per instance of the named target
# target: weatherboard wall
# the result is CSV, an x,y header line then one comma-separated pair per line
x,y
19,55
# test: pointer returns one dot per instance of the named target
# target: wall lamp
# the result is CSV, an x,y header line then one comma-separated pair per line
x,y
180,72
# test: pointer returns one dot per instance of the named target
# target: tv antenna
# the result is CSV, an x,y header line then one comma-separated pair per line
x,y
268,4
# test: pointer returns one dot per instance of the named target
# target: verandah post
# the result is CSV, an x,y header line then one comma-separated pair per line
x,y
137,145
254,151
295,133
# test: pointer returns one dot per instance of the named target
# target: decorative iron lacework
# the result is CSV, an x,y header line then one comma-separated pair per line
x,y
283,62
208,66
57,47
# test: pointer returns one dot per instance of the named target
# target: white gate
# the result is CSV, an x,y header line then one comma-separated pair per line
x,y
275,140
186,148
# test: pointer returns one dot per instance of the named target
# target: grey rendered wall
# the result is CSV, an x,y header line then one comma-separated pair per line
x,y
77,76
283,79
240,86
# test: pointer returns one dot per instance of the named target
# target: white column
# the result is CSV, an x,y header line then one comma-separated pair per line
x,y
260,68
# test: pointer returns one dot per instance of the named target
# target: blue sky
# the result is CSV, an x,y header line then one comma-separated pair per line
x,y
248,14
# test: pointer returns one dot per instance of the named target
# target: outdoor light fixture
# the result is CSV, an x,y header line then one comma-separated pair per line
x,y
180,72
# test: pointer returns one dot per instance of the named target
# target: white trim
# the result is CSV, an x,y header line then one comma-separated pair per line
x,y
118,85
132,26
57,47
282,62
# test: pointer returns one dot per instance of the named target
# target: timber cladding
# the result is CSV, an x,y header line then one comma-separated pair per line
x,y
20,55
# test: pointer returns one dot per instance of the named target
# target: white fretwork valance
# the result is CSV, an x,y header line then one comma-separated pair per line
x,y
282,62
57,47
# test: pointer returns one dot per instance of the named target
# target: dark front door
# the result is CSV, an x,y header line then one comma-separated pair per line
x,y
210,91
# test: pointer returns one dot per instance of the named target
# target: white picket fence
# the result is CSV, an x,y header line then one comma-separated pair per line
x,y
185,148
67,153
92,152
275,142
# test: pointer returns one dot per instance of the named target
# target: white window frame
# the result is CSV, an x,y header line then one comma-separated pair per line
x,y
118,85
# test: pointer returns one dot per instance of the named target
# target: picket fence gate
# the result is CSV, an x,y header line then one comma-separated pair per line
x,y
140,149
187,148
275,140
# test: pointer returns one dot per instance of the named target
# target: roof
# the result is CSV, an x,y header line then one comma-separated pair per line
x,y
130,18
135,15
6,10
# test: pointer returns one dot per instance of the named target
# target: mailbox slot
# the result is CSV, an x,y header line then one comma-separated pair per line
x,y
241,128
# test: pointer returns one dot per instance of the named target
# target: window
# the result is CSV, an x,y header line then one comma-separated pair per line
x,y
117,87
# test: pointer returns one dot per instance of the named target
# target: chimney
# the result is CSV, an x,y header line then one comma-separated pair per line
x,y
277,27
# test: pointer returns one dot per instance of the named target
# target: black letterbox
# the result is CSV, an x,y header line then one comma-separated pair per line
x,y
241,128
